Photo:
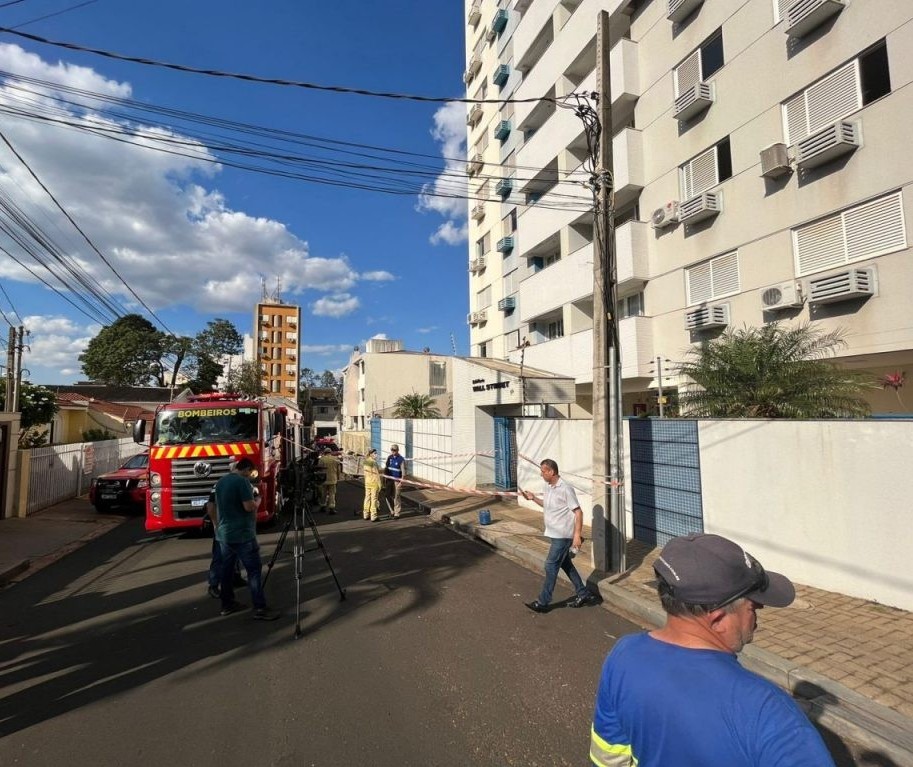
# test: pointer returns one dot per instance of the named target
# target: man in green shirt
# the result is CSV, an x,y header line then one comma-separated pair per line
x,y
237,537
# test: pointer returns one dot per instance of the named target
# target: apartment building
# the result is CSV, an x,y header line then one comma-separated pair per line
x,y
278,344
760,171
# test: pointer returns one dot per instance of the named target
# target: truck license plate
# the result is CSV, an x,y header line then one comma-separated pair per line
x,y
197,502
108,496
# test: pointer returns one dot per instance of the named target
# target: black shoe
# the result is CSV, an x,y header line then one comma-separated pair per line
x,y
537,607
265,614
213,591
580,601
331,511
232,608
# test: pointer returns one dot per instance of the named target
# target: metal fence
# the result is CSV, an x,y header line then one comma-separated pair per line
x,y
58,472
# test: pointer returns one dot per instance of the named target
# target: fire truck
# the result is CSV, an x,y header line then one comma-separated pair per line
x,y
195,442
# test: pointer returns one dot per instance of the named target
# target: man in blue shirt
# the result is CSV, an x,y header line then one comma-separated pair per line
x,y
394,471
677,696
237,535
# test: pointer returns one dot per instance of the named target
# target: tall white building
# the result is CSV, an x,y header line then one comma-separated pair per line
x,y
762,172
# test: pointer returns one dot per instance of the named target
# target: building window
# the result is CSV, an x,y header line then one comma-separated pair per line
x,y
700,65
839,94
512,340
482,245
554,329
713,279
631,306
437,378
706,170
864,231
483,350
509,223
483,298
509,284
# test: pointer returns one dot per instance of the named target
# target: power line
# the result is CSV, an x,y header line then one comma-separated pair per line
x,y
264,80
52,15
81,232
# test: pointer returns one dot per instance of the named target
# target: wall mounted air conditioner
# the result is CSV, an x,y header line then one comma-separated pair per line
x,y
508,303
480,316
693,101
700,207
505,244
470,319
679,10
665,216
775,161
474,165
843,286
804,15
827,144
707,317
475,13
478,212
782,296
475,114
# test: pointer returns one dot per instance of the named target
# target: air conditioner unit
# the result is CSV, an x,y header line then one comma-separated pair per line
x,y
804,15
707,317
679,10
502,130
475,13
843,286
504,186
700,207
474,165
501,74
693,101
475,114
782,296
481,315
775,161
505,245
478,212
471,319
510,302
665,216
827,144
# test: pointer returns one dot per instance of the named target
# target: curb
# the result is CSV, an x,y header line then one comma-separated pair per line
x,y
826,702
9,573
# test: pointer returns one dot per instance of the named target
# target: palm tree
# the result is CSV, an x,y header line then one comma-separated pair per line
x,y
415,406
772,372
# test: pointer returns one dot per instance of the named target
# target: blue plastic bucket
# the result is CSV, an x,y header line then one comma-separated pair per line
x,y
484,517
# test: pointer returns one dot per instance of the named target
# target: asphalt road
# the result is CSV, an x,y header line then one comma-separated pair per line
x,y
116,656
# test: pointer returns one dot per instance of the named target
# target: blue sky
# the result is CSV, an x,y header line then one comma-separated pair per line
x,y
194,239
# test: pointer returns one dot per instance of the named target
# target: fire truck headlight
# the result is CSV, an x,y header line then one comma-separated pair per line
x,y
155,497
156,511
155,479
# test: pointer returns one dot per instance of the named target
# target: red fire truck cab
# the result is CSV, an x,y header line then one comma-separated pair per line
x,y
194,443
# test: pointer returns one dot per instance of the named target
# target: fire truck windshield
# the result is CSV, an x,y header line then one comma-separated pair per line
x,y
209,424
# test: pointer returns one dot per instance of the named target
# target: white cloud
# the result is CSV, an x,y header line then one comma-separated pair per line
x,y
338,305
379,276
54,343
426,330
324,350
450,132
380,337
154,215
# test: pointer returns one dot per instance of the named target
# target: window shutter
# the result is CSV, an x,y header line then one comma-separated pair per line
x,y
688,73
700,286
700,174
874,228
725,274
823,103
780,7
819,245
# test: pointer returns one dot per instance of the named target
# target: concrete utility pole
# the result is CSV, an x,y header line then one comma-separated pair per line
x,y
607,431
17,382
10,371
659,380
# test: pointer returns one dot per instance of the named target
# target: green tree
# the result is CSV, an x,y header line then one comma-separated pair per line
x,y
37,407
415,406
247,379
329,380
308,378
772,372
128,352
211,346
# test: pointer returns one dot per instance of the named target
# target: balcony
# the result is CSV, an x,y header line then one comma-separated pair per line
x,y
505,245
570,355
500,75
631,252
568,280
628,152
504,187
538,222
625,78
502,130
635,335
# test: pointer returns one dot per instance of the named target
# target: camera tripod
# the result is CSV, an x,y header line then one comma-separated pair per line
x,y
301,516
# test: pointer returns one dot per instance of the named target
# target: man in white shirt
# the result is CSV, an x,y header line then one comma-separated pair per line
x,y
564,528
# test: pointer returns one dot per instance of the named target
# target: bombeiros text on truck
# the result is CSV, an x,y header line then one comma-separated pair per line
x,y
195,442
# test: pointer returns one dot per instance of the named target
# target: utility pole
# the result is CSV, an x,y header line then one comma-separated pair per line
x,y
659,380
609,553
10,371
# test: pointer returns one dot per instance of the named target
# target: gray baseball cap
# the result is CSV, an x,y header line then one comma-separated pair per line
x,y
706,569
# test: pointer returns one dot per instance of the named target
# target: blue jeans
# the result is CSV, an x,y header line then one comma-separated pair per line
x,y
215,565
249,554
558,559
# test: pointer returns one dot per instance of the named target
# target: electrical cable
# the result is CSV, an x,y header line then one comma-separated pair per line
x,y
258,78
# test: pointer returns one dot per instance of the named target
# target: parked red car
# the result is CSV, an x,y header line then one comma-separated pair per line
x,y
125,487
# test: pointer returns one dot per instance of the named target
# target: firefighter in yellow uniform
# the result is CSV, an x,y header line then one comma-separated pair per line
x,y
372,486
331,468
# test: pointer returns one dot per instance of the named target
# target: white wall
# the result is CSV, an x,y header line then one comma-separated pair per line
x,y
826,503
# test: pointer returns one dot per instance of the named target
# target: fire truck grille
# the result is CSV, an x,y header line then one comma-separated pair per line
x,y
190,490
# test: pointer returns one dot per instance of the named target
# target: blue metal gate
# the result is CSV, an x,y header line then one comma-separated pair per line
x,y
665,479
505,453
375,434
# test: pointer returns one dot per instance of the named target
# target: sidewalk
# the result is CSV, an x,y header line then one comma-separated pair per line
x,y
30,543
849,662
